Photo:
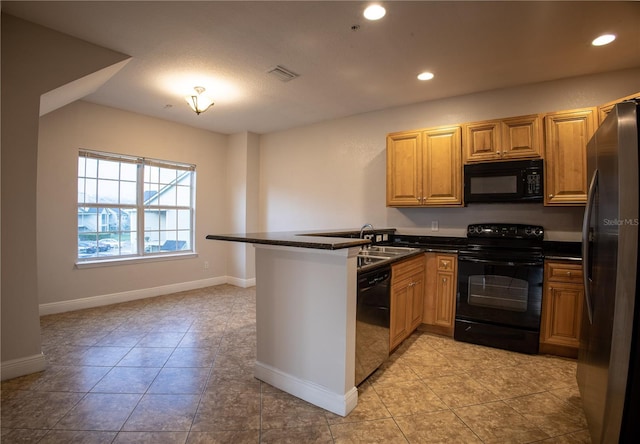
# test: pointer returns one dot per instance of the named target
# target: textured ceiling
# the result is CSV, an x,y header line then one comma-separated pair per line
x,y
228,47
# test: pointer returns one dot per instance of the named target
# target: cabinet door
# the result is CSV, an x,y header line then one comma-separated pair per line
x,y
417,300
562,310
566,137
481,141
521,137
400,299
404,169
440,293
445,290
442,167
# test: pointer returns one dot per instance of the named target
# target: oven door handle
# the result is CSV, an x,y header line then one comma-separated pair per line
x,y
493,262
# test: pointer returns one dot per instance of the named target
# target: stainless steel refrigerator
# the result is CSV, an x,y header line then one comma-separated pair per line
x,y
609,358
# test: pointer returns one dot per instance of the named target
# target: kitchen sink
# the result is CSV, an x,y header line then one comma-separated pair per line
x,y
376,254
385,251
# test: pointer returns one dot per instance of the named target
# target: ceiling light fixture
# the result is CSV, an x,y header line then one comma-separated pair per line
x,y
198,102
604,39
374,12
425,75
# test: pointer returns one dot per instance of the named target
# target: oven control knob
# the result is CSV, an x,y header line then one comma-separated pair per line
x,y
538,232
528,231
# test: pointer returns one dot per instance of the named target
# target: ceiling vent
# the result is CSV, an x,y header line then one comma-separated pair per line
x,y
282,73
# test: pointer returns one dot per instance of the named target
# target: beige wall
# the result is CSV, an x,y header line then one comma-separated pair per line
x,y
332,174
243,158
90,126
34,60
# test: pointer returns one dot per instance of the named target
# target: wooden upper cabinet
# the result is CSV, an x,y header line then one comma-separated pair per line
x,y
513,138
566,136
404,169
603,110
424,168
481,141
522,137
442,167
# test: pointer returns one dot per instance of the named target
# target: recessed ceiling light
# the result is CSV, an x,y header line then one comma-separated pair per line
x,y
374,12
425,75
604,39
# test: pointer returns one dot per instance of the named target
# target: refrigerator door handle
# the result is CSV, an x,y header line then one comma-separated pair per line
x,y
586,238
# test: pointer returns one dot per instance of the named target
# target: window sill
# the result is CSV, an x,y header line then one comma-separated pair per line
x,y
134,260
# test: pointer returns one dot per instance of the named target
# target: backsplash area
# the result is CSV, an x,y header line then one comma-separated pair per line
x,y
560,223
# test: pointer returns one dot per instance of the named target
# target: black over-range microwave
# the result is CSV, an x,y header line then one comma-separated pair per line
x,y
510,181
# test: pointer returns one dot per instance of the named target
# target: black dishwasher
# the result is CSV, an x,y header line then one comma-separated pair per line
x,y
372,321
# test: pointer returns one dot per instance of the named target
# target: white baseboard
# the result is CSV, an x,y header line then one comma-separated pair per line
x,y
22,366
340,404
242,283
125,296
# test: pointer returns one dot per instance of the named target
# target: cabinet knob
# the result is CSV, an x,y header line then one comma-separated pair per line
x,y
550,196
444,279
569,273
497,152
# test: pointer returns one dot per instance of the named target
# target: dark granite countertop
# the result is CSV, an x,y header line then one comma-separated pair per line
x,y
347,238
567,251
323,240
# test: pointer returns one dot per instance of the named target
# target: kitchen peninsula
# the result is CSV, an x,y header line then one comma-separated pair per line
x,y
306,314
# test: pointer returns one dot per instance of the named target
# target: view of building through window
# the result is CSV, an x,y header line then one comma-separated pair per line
x,y
132,206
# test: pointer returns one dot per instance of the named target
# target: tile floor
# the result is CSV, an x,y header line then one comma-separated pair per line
x,y
178,369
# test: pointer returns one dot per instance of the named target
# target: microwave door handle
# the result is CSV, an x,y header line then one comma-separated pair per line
x,y
587,265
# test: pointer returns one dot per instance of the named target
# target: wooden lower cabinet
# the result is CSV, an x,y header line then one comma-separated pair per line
x,y
440,293
561,308
407,298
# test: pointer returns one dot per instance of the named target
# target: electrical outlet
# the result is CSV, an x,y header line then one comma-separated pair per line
x,y
206,265
434,225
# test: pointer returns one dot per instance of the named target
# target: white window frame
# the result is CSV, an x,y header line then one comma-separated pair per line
x,y
141,208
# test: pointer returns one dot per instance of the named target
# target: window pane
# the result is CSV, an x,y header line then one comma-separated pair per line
x,y
90,191
128,193
91,167
152,219
167,176
184,220
186,178
168,196
129,171
81,164
108,191
183,196
108,169
151,174
81,190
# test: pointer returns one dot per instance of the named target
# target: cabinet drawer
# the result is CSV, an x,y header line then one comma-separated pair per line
x,y
406,268
446,263
564,272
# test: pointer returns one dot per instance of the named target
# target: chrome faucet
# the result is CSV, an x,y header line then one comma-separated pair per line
x,y
364,227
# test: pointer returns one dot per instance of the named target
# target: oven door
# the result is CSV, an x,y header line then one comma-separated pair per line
x,y
500,292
